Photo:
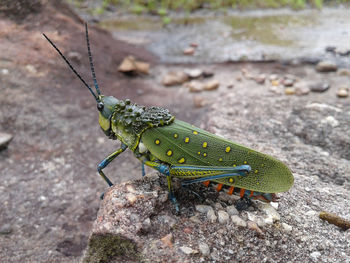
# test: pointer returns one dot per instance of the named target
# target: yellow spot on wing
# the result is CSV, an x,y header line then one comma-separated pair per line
x,y
220,159
204,154
245,162
176,135
157,141
181,160
194,132
256,171
231,180
199,153
169,153
187,140
205,144
228,149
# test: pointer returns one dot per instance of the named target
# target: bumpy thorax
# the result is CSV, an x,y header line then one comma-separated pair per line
x,y
129,121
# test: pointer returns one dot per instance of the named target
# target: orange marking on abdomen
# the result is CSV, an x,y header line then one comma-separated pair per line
x,y
218,188
230,191
206,183
251,193
241,193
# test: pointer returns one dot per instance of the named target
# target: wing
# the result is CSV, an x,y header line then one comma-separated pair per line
x,y
183,144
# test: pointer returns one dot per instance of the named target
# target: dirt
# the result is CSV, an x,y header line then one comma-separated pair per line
x,y
50,187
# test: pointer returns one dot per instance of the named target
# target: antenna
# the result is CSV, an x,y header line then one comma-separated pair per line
x,y
71,67
90,59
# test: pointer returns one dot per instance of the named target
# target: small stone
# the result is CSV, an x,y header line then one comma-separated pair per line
x,y
74,56
31,69
320,87
330,120
142,67
5,71
343,92
343,51
189,51
232,210
302,90
277,90
230,86
174,78
167,220
199,101
193,44
218,206
273,77
275,82
268,220
315,255
204,248
289,91
211,85
223,217
188,250
260,79
146,225
326,66
187,230
194,73
253,226
131,198
127,65
203,208
344,72
288,82
5,229
195,219
211,216
5,139
168,240
194,86
207,74
238,221
287,227
270,211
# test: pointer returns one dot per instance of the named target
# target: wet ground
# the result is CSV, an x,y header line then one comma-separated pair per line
x,y
49,188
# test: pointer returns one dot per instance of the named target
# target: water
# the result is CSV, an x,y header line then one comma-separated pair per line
x,y
236,36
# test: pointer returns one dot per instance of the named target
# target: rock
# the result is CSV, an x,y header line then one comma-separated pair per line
x,y
194,73
288,82
260,79
273,77
5,229
315,255
343,72
343,92
204,248
301,90
189,51
232,210
277,90
188,250
168,240
330,120
193,44
207,74
326,66
5,139
194,86
131,65
287,227
289,91
211,85
275,82
199,101
174,78
223,217
31,69
342,51
211,216
319,86
5,71
203,208
270,211
253,226
238,221
74,56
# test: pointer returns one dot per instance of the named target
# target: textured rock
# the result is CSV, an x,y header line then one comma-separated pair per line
x,y
174,78
326,66
5,139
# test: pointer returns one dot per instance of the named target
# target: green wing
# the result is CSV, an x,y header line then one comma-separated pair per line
x,y
183,144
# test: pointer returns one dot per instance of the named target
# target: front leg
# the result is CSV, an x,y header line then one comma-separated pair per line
x,y
107,160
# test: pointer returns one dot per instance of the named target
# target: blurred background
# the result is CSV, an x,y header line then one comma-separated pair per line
x,y
192,57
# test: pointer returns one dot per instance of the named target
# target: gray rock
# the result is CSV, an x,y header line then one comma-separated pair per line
x,y
223,217
174,78
232,210
194,73
211,216
326,66
5,139
204,248
238,221
320,86
286,227
343,92
188,250
5,229
203,208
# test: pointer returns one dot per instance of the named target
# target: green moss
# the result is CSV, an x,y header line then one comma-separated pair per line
x,y
103,248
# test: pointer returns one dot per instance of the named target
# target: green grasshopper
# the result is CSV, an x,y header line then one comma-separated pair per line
x,y
178,149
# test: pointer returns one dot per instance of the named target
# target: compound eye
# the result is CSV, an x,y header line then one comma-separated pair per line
x,y
100,106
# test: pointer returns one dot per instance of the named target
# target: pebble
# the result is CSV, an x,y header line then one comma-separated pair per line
x,y
286,227
330,120
253,226
207,74
211,216
320,87
5,71
270,211
232,210
238,221
194,86
5,139
326,66
195,219
5,229
315,255
289,91
204,248
167,220
127,65
174,78
302,90
142,67
203,208
188,250
146,225
211,85
273,77
343,92
260,79
31,69
199,101
74,56
194,73
194,44
275,82
288,82
344,72
223,217
168,240
189,51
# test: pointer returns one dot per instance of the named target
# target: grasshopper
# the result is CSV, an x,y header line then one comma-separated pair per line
x,y
179,149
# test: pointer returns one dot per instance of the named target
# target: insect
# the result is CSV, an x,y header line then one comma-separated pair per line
x,y
178,149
